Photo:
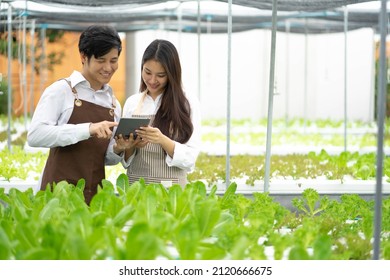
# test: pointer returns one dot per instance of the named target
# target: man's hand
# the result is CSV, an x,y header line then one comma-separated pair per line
x,y
102,129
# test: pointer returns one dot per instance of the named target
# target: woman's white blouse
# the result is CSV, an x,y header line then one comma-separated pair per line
x,y
49,126
184,155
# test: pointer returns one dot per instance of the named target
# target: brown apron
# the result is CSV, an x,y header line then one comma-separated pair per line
x,y
149,162
85,159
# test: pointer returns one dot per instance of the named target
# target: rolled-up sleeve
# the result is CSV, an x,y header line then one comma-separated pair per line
x,y
111,157
49,127
185,155
126,163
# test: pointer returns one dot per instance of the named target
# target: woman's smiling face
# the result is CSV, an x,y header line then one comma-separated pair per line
x,y
155,77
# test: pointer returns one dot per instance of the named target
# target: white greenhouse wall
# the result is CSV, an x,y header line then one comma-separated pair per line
x,y
309,73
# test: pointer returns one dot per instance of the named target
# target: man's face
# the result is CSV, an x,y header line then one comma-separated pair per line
x,y
98,71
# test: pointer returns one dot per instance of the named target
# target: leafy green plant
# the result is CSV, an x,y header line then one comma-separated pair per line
x,y
140,221
311,204
211,169
19,164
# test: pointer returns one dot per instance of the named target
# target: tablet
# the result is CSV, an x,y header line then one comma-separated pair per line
x,y
129,125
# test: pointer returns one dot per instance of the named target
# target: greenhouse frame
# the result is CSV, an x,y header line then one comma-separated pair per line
x,y
226,17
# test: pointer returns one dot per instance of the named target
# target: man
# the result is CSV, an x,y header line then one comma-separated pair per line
x,y
75,116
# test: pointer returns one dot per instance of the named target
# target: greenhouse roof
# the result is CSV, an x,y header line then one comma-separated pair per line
x,y
305,16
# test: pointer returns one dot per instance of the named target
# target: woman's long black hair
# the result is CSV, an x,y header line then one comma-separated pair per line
x,y
173,117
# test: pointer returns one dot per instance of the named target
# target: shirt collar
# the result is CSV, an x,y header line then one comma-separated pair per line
x,y
157,100
76,78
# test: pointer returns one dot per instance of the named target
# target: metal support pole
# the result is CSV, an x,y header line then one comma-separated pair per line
x,y
42,62
9,20
228,117
199,57
345,76
32,52
382,85
24,71
270,96
305,99
287,72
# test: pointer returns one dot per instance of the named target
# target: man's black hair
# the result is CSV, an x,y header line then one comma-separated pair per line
x,y
98,40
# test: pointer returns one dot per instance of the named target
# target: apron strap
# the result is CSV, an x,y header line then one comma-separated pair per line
x,y
137,110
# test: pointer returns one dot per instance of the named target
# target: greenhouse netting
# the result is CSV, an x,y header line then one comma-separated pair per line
x,y
222,17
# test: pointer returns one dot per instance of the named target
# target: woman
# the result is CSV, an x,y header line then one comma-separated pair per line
x,y
75,116
166,150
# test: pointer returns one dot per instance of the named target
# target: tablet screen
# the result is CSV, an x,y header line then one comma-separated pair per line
x,y
129,125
